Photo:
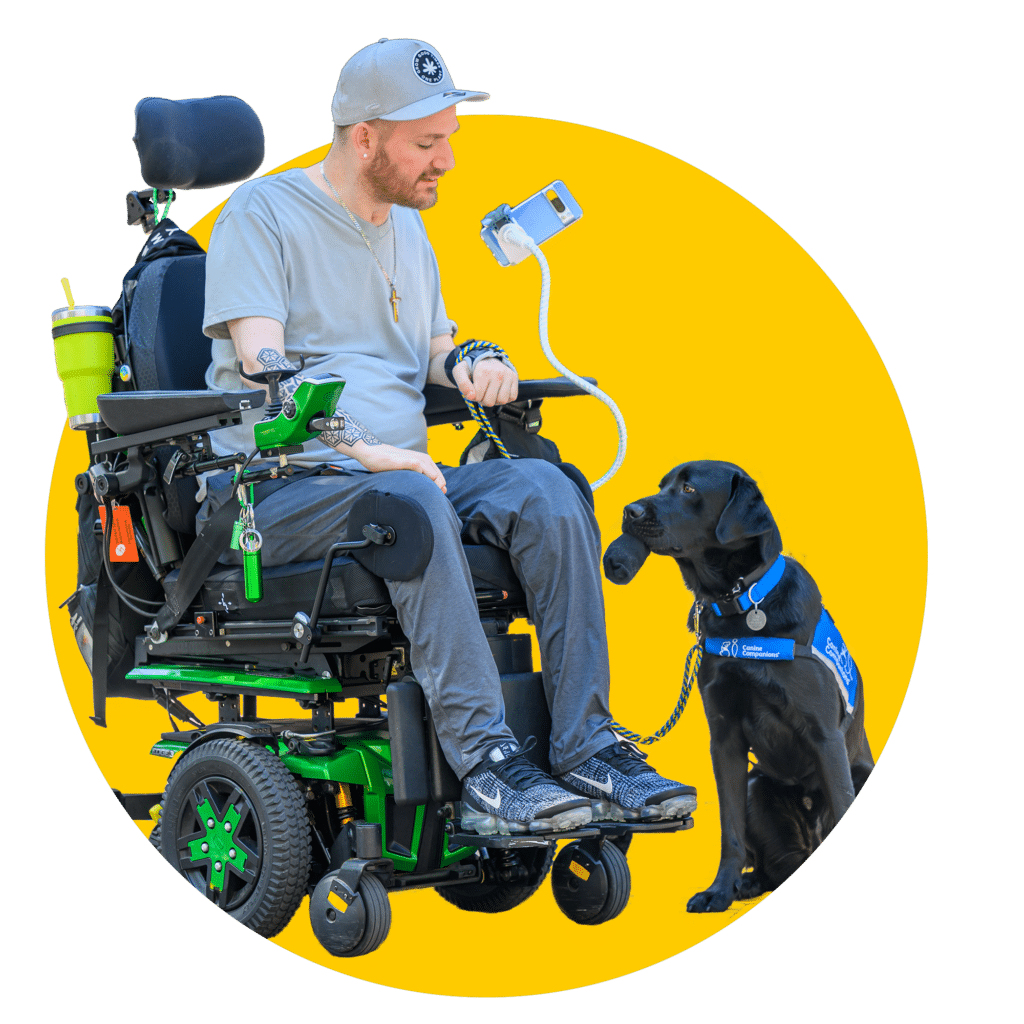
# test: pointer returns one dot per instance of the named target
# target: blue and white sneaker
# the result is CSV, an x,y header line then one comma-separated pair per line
x,y
622,786
508,793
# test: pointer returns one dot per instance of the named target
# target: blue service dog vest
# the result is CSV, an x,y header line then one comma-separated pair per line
x,y
827,645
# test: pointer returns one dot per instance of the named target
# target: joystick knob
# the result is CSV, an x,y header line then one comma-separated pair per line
x,y
272,380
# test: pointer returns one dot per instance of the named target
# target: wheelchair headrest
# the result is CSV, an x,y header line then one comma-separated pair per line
x,y
197,143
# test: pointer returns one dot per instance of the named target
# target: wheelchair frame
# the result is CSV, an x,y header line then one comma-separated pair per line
x,y
258,813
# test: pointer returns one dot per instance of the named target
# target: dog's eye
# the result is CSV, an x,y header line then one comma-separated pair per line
x,y
687,489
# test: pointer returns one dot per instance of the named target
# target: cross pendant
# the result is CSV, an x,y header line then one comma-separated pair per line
x,y
395,299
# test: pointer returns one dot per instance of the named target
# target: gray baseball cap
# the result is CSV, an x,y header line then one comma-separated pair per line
x,y
395,80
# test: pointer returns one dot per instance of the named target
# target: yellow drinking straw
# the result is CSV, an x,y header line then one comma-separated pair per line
x,y
67,291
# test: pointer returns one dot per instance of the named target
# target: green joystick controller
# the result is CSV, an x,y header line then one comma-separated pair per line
x,y
303,415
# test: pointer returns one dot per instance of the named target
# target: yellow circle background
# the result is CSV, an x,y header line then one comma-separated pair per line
x,y
719,338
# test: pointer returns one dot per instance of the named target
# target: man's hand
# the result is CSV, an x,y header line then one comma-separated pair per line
x,y
492,383
379,458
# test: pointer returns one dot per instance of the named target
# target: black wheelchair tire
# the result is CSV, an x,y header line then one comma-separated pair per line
x,y
274,830
603,895
497,897
377,907
356,929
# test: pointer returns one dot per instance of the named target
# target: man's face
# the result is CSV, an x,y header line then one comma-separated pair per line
x,y
412,156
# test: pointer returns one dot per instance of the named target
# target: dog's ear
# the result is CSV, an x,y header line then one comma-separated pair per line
x,y
747,516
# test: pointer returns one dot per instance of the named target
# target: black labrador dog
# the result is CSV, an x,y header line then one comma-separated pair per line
x,y
803,718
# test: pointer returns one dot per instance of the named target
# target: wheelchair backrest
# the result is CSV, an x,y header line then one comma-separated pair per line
x,y
195,143
168,349
162,306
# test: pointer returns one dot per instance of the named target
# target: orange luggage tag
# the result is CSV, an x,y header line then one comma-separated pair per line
x,y
122,533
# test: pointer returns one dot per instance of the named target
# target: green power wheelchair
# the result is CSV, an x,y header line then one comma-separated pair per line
x,y
258,813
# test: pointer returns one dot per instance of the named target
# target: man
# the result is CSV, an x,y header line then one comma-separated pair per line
x,y
331,264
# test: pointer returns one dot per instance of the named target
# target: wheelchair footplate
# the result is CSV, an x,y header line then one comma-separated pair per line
x,y
606,829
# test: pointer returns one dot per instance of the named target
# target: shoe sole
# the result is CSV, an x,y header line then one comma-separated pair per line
x,y
484,824
674,807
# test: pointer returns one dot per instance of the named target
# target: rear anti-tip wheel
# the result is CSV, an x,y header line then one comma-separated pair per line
x,y
591,881
350,923
234,823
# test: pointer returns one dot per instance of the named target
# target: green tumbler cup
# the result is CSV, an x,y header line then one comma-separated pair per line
x,y
83,343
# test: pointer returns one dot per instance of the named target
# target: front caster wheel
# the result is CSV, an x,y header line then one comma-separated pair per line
x,y
347,923
234,824
590,881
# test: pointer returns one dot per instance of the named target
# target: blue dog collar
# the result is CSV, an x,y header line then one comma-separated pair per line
x,y
827,646
759,590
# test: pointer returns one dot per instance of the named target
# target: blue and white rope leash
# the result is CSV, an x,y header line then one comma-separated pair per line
x,y
476,410
689,675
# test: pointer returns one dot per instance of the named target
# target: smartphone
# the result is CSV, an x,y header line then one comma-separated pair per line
x,y
544,214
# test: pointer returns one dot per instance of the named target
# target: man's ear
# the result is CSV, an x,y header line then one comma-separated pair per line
x,y
360,137
747,516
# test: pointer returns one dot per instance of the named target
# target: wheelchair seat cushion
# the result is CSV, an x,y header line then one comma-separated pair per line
x,y
492,570
351,589
288,589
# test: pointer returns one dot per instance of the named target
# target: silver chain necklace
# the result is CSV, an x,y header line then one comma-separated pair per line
x,y
395,297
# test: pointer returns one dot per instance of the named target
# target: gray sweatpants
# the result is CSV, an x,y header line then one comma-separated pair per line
x,y
529,508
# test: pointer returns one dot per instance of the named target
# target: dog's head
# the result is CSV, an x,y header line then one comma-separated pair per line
x,y
705,512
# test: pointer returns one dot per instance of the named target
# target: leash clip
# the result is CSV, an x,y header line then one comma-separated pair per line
x,y
632,746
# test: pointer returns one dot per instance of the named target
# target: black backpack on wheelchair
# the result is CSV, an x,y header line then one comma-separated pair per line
x,y
258,812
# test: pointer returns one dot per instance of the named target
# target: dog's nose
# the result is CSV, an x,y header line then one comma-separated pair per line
x,y
634,511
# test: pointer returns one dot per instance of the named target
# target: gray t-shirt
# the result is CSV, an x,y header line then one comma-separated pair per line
x,y
283,249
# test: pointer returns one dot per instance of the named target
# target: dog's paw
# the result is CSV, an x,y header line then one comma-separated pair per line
x,y
624,558
710,901
750,886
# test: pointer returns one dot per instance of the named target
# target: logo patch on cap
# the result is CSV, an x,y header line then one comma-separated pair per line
x,y
428,67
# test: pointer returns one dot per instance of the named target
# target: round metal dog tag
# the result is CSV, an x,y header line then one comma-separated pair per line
x,y
756,619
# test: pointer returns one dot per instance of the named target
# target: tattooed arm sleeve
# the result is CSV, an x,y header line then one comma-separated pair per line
x,y
259,343
270,359
354,431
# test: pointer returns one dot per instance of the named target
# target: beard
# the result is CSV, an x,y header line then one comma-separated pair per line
x,y
389,186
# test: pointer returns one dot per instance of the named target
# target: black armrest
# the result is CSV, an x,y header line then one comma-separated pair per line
x,y
446,405
132,412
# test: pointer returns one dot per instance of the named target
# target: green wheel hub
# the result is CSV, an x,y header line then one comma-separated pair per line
x,y
218,846
229,795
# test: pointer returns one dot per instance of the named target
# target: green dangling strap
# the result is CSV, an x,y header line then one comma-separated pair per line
x,y
157,215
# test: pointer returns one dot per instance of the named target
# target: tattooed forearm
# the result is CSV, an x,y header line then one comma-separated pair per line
x,y
354,431
271,359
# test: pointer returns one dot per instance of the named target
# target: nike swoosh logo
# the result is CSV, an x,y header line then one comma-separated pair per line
x,y
605,787
492,801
